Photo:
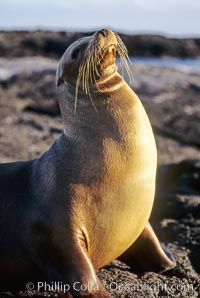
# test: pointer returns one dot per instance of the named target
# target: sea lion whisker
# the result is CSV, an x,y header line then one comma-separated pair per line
x,y
93,69
128,70
81,71
86,70
97,64
102,54
91,73
124,58
87,80
92,101
80,74
121,46
76,94
122,66
89,66
84,76
98,60
95,55
87,77
129,63
96,69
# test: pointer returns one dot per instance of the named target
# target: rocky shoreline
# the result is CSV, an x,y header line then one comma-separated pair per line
x,y
52,44
30,121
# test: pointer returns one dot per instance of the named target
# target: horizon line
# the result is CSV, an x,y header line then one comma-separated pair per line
x,y
92,29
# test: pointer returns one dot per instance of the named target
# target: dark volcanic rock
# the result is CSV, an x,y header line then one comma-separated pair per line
x,y
53,44
173,104
156,45
36,43
178,185
177,206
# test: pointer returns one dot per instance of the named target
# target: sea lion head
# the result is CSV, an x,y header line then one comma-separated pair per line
x,y
90,60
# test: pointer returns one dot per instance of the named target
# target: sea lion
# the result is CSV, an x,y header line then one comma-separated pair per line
x,y
87,199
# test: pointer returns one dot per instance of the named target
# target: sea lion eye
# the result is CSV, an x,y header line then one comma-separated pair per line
x,y
75,53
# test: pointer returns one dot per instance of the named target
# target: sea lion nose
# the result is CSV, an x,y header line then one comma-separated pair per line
x,y
104,32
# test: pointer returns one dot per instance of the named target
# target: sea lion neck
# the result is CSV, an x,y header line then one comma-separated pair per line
x,y
75,120
87,102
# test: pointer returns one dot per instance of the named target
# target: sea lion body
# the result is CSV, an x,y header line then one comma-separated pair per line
x,y
89,197
113,182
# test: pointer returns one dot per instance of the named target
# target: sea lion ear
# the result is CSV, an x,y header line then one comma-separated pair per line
x,y
59,79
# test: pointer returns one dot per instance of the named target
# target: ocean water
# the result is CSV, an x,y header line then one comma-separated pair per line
x,y
187,64
18,65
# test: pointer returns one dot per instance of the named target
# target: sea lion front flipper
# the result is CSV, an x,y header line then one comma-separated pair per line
x,y
147,254
80,275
